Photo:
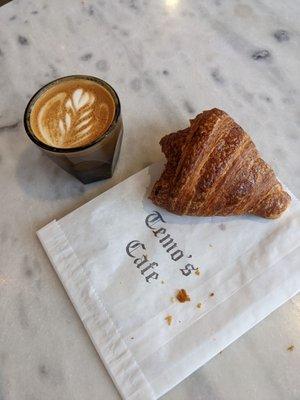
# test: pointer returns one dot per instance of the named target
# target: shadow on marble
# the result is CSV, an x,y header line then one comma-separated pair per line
x,y
40,178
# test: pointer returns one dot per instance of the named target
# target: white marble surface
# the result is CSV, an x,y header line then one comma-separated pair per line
x,y
168,59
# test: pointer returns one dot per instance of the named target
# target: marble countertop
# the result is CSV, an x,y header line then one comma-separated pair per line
x,y
168,60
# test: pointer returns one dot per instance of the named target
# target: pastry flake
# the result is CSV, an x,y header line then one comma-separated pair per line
x,y
182,296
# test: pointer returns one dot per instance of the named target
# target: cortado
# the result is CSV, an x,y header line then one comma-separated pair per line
x,y
72,113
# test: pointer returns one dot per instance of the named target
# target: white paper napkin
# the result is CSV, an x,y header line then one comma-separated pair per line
x,y
122,260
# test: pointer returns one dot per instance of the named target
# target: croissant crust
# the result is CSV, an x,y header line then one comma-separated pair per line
x,y
214,168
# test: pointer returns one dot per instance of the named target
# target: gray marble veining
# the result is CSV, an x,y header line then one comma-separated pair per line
x,y
168,60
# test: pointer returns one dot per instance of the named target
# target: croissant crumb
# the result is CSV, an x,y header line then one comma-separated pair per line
x,y
214,168
182,296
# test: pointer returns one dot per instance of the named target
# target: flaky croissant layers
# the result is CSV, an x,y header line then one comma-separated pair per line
x,y
214,168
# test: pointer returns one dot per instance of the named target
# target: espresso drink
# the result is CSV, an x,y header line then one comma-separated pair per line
x,y
77,121
72,113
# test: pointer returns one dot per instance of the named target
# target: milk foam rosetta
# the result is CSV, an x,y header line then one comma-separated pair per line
x,y
72,113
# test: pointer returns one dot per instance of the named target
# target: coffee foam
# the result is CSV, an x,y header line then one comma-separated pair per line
x,y
72,113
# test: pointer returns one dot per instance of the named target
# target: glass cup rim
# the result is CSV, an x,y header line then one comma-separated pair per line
x,y
53,149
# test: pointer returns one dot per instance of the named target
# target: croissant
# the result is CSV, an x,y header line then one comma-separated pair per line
x,y
214,168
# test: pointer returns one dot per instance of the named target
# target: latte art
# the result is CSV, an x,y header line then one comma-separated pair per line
x,y
75,120
77,113
72,114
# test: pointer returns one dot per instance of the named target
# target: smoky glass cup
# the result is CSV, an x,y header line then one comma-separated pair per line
x,y
93,161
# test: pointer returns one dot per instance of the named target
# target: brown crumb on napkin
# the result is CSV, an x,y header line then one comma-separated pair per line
x,y
211,294
169,319
291,347
197,272
182,296
199,305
